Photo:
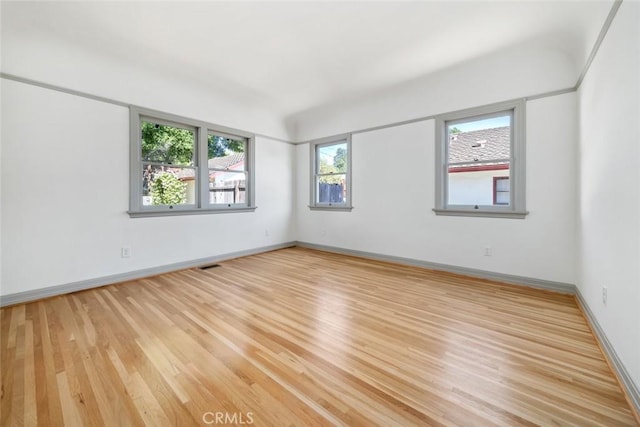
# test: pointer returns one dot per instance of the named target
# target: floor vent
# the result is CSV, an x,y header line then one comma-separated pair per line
x,y
206,267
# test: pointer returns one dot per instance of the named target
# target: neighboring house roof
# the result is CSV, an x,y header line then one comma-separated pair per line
x,y
224,163
480,145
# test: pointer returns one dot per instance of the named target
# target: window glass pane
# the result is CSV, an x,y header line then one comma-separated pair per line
x,y
502,198
479,140
226,153
332,158
502,184
163,185
474,187
167,144
331,189
227,187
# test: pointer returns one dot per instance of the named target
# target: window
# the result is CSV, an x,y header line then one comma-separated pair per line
x,y
331,174
480,162
168,176
227,169
501,190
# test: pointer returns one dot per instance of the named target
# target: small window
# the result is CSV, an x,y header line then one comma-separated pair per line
x,y
501,190
480,166
331,174
168,176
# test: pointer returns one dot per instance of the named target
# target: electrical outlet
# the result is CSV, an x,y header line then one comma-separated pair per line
x,y
125,252
266,233
604,295
487,251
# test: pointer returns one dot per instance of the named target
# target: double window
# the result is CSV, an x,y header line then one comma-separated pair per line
x,y
480,165
184,166
331,174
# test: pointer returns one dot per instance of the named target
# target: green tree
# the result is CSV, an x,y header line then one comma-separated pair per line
x,y
338,167
455,130
340,160
218,146
167,144
167,189
174,146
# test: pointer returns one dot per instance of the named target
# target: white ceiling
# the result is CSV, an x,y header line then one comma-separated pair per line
x,y
295,56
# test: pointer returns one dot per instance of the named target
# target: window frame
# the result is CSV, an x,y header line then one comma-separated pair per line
x,y
314,146
517,161
200,164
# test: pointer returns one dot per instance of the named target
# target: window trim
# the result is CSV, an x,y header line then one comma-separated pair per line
x,y
201,132
517,161
334,140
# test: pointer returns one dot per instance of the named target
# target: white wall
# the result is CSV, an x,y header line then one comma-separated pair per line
x,y
493,78
1,122
403,224
65,192
609,195
473,188
45,55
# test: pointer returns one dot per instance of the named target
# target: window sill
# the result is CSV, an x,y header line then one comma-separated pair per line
x,y
331,208
482,213
178,212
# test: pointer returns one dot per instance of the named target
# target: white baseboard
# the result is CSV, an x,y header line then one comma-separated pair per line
x,y
633,391
566,288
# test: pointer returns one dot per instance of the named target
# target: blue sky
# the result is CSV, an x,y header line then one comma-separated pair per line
x,y
493,122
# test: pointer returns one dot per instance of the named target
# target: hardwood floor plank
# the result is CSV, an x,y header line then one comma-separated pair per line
x,y
48,402
302,337
70,412
29,377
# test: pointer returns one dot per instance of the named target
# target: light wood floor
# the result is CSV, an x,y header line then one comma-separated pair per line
x,y
299,337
